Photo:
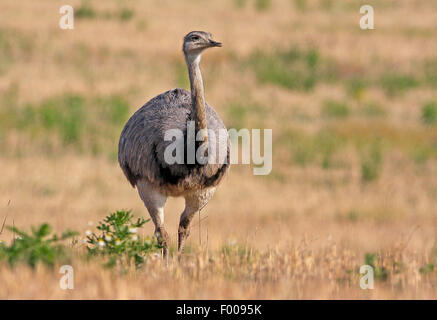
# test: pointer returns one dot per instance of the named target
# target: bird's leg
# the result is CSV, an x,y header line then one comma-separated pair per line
x,y
163,239
154,202
193,203
184,227
160,232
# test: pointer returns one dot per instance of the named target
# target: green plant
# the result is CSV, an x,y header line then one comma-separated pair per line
x,y
142,24
429,113
36,246
237,252
301,5
119,242
335,109
427,268
309,148
379,272
181,75
353,215
69,121
239,111
371,162
237,114
85,11
430,72
239,3
292,69
262,5
373,109
126,14
327,4
356,87
397,83
115,109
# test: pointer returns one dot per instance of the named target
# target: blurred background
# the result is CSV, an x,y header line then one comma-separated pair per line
x,y
353,113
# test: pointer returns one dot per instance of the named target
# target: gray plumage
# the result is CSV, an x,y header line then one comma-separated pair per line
x,y
142,147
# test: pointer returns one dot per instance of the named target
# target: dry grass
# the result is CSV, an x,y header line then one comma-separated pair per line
x,y
301,232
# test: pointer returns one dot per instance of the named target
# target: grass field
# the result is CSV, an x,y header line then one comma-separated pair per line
x,y
354,119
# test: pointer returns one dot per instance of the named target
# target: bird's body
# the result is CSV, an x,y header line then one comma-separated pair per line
x,y
143,144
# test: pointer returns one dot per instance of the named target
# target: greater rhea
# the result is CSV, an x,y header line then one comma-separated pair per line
x,y
142,146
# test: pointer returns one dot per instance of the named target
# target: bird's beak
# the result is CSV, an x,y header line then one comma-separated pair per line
x,y
213,43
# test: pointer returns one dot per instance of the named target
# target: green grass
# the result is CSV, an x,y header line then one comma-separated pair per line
x,y
240,3
394,84
327,4
306,149
122,14
429,113
296,69
126,14
327,143
356,87
372,109
301,5
237,113
181,76
422,152
335,109
379,272
85,11
79,122
430,73
242,114
236,252
142,24
369,140
427,268
6,54
115,109
15,46
65,116
353,215
262,5
371,162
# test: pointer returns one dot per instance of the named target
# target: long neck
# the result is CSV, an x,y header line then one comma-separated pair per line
x,y
197,93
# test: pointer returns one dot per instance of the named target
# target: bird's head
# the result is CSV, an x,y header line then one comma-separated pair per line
x,y
197,41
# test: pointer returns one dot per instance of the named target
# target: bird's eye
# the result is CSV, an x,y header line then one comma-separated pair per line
x,y
195,38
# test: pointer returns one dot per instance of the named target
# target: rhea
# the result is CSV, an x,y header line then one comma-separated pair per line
x,y
142,146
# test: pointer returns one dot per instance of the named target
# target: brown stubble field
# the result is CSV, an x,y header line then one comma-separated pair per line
x,y
354,143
